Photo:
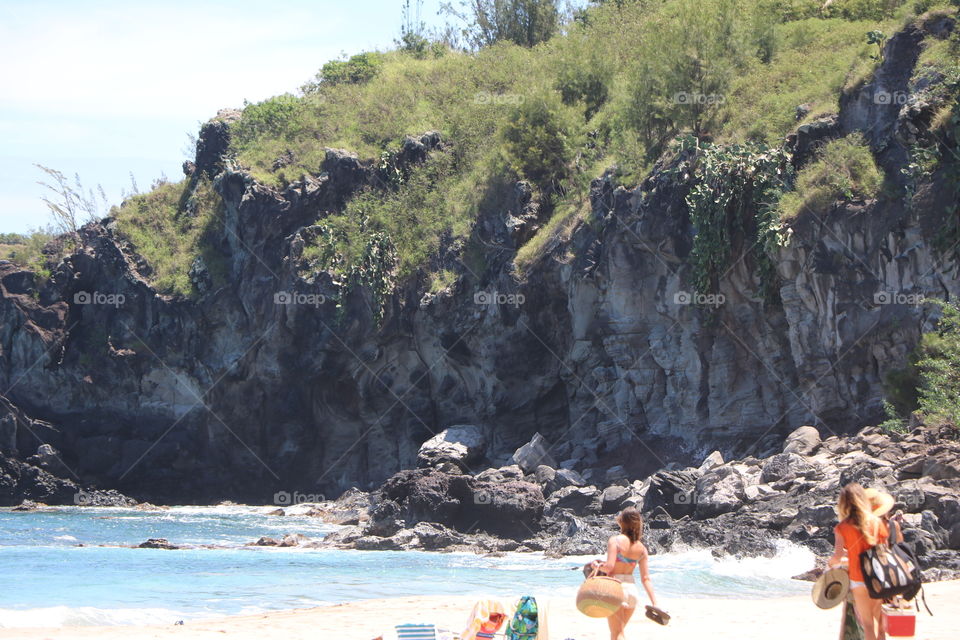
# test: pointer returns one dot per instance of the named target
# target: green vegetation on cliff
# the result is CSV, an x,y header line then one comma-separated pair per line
x,y
172,227
611,88
930,384
844,169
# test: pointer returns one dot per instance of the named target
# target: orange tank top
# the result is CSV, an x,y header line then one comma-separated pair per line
x,y
856,544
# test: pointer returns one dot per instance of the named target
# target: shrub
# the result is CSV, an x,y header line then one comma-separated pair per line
x,y
938,365
585,80
353,70
272,117
930,381
538,140
844,169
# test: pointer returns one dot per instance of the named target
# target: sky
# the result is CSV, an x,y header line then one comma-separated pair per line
x,y
105,89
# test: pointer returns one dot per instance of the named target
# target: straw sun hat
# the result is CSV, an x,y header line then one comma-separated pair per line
x,y
831,588
880,501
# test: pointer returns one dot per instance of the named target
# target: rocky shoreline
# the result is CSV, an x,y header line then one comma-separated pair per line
x,y
739,507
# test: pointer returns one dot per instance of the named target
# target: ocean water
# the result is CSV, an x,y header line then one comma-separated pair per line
x,y
50,580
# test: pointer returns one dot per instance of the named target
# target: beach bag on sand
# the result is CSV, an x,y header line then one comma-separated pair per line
x,y
525,623
890,569
485,620
600,596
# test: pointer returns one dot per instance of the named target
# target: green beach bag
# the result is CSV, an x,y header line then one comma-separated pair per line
x,y
525,622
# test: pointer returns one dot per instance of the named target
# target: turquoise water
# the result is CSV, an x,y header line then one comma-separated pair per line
x,y
61,583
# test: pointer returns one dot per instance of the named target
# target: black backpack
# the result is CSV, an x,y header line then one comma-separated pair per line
x,y
891,569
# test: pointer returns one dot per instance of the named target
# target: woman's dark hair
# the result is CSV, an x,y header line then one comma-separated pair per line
x,y
631,524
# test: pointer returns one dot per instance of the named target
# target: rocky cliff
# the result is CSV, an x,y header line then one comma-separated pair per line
x,y
603,347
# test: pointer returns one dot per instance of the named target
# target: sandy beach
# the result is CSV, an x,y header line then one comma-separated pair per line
x,y
794,618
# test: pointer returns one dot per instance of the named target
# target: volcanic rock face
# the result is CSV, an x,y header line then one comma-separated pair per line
x,y
263,386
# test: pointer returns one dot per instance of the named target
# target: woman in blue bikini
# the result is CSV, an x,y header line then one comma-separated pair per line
x,y
625,552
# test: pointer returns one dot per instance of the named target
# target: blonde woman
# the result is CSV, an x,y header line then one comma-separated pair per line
x,y
859,530
625,553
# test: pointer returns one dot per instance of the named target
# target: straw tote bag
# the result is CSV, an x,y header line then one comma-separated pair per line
x,y
600,596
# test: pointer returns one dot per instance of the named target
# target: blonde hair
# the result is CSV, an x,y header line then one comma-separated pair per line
x,y
854,506
631,524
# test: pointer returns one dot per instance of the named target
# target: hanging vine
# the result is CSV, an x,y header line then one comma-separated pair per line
x,y
367,259
734,201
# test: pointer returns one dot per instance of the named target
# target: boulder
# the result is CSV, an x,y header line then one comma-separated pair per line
x,y
786,466
712,461
948,510
579,500
820,515
613,498
293,540
433,536
376,543
942,467
809,137
503,474
427,495
460,445
719,491
564,478
784,517
545,475
510,509
867,474
385,520
931,524
756,492
48,459
157,543
671,490
343,537
533,454
803,441
953,540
